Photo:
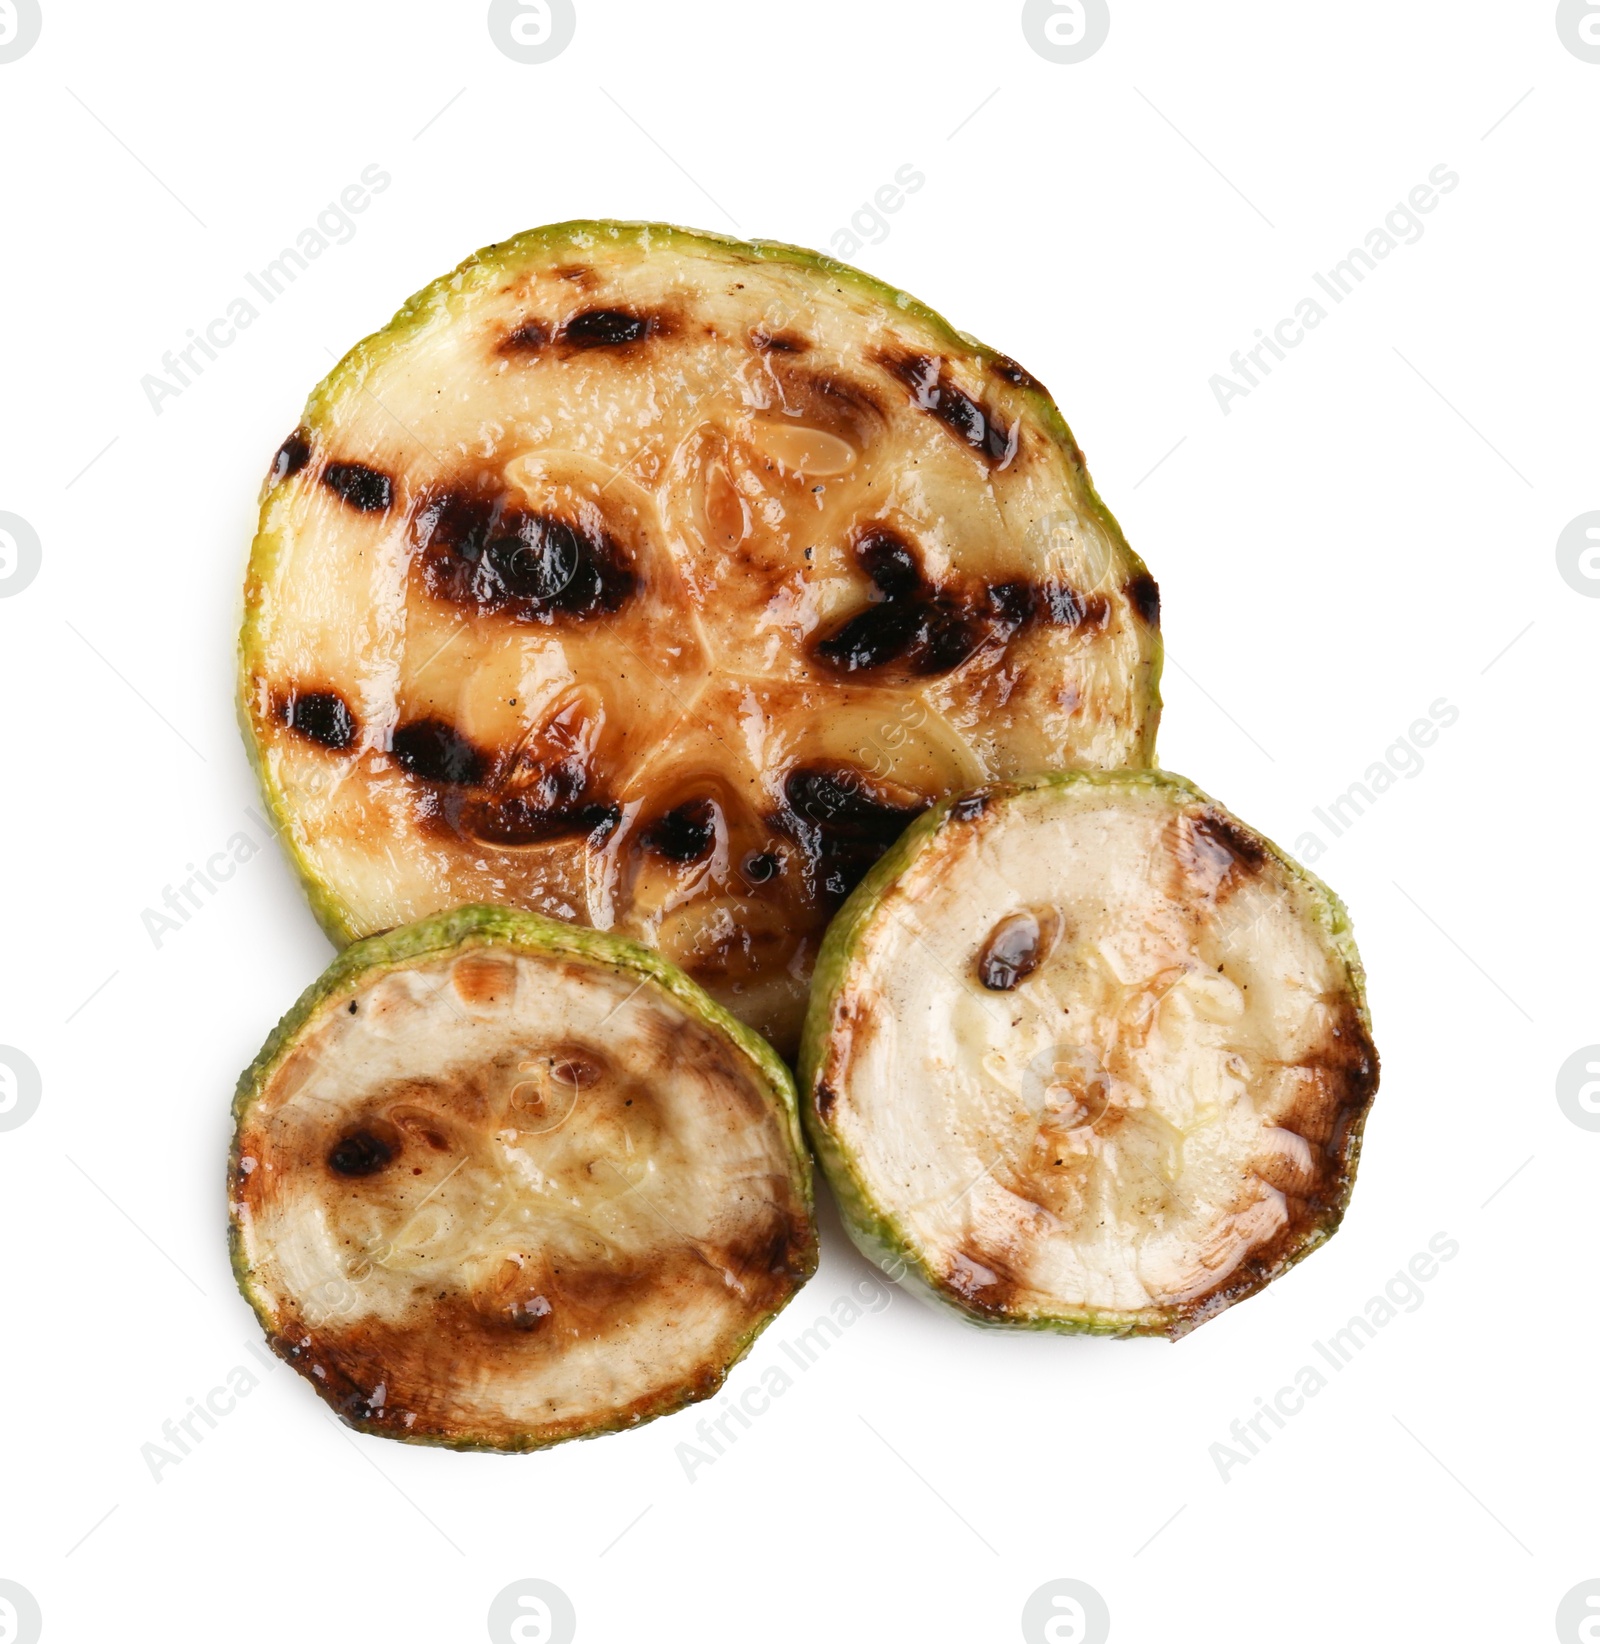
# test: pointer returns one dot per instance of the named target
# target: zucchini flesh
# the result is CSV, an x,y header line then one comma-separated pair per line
x,y
498,1182
654,581
1087,1053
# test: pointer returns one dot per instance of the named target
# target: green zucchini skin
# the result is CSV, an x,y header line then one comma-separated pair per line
x,y
326,830
833,1016
499,933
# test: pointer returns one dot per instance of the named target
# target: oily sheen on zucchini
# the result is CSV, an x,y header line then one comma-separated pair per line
x,y
1086,1053
497,1181
654,581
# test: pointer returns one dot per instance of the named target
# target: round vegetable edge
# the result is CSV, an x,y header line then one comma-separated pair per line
x,y
495,260
481,925
876,1233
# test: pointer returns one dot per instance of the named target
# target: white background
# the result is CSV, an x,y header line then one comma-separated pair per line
x,y
1362,535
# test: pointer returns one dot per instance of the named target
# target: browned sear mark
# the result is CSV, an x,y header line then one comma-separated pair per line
x,y
842,825
929,628
1221,830
322,717
481,548
609,328
778,342
365,489
1009,371
935,390
362,1152
528,338
1145,597
293,455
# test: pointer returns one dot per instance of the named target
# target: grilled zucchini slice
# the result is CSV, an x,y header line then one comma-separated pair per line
x,y
654,581
498,1181
1085,1053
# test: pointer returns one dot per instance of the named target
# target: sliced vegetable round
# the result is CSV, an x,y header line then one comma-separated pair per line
x,y
1086,1053
497,1181
655,580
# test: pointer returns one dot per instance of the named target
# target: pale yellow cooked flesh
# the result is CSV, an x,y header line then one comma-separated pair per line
x,y
1163,1097
588,1203
737,457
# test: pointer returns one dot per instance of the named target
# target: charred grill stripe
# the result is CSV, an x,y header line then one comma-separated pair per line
x,y
891,563
1238,841
936,392
365,489
760,866
778,342
437,752
1145,598
872,637
487,552
292,456
528,338
841,824
1009,371
360,1153
516,819
607,328
684,834
1065,605
322,717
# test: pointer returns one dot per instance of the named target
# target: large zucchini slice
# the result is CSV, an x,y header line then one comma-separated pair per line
x,y
654,580
497,1181
1085,1053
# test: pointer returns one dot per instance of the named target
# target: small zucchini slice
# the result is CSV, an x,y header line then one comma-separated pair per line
x,y
1085,1053
655,580
497,1181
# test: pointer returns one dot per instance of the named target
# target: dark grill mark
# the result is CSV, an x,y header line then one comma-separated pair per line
x,y
1009,371
607,328
553,807
871,638
1223,831
760,866
778,342
365,489
1065,605
933,630
438,752
1145,597
841,826
684,834
934,390
890,563
925,629
489,553
359,1154
293,455
319,716
528,338
826,1099
1011,953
